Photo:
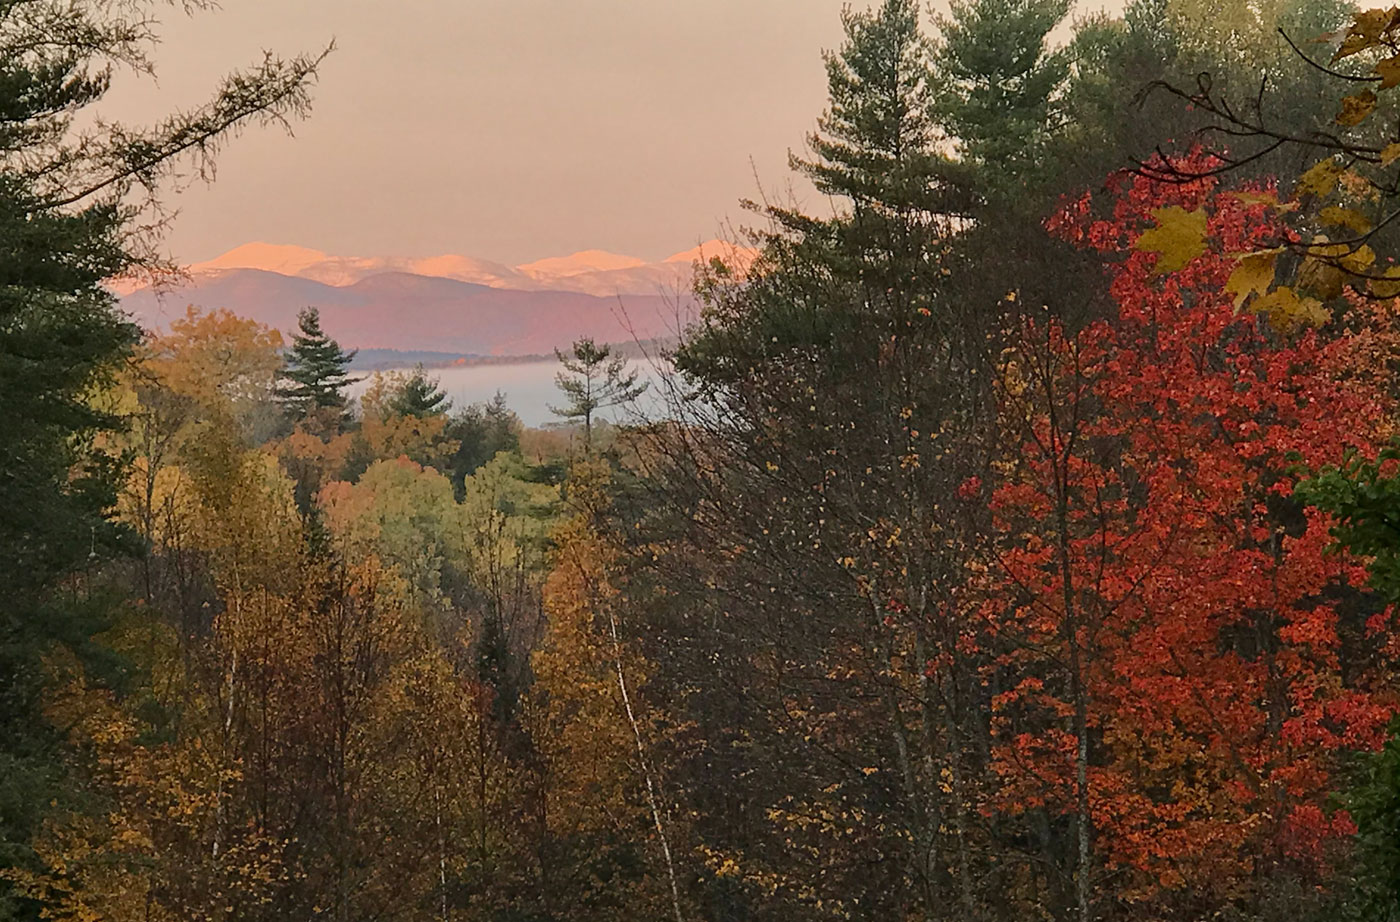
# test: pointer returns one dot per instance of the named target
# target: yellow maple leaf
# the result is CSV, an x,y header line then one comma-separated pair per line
x,y
1385,288
1178,238
1286,310
1390,153
1264,198
1320,179
1252,275
1349,218
1321,277
1359,259
1356,107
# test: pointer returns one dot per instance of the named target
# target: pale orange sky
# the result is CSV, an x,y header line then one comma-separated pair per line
x,y
503,129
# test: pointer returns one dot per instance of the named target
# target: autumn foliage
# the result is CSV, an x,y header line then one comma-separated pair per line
x,y
1162,600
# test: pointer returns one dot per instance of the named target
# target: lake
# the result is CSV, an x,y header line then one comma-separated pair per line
x,y
528,386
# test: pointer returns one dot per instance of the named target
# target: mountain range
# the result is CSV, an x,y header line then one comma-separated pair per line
x,y
448,304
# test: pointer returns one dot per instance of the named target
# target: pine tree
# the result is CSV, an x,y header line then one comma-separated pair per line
x,y
999,82
876,141
879,259
316,369
420,396
595,381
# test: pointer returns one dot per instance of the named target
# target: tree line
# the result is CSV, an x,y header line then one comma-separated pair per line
x,y
1015,540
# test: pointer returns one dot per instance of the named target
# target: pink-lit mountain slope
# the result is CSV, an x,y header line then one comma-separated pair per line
x,y
406,311
595,272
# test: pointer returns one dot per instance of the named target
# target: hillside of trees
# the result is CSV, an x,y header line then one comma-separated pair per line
x,y
1020,538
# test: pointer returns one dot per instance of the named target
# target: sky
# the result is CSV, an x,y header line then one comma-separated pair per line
x,y
501,129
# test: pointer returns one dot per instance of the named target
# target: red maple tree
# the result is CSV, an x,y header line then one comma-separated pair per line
x,y
1184,665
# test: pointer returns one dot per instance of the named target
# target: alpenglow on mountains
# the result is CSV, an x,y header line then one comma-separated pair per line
x,y
447,303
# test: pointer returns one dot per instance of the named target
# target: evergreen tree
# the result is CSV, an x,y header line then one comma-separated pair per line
x,y
595,380
420,396
74,195
875,143
316,369
999,84
828,373
481,430
821,282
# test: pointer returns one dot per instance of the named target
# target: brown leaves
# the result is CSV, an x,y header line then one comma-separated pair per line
x,y
1264,198
1356,107
1389,72
1368,29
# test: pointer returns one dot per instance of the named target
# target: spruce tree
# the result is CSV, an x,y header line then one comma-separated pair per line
x,y
317,370
593,380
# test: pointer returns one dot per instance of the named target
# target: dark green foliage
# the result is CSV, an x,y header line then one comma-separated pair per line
x,y
1364,496
70,212
593,379
821,282
875,143
1374,805
420,396
1000,85
481,431
60,338
1110,121
317,369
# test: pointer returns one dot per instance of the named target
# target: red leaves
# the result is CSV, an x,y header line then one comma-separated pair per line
x,y
1153,567
970,488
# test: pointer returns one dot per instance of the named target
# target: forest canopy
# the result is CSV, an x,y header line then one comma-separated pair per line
x,y
1017,539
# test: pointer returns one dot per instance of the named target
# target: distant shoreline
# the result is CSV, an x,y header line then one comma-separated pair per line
x,y
373,359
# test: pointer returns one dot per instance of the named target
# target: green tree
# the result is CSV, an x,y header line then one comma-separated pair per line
x,y
419,395
593,379
317,369
75,193
805,506
481,431
876,139
999,86
820,282
1364,497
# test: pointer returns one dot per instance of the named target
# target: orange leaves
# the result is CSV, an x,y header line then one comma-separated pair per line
x,y
1150,544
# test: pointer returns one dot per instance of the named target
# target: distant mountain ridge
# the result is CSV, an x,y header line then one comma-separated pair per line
x,y
445,304
595,272
407,312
